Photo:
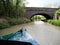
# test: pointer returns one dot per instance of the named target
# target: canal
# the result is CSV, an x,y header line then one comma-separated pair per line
x,y
42,32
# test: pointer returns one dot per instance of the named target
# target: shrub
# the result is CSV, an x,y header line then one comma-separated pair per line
x,y
20,21
49,21
12,21
3,25
15,21
54,22
32,19
57,22
26,20
23,20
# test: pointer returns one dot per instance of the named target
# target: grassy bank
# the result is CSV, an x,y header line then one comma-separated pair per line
x,y
54,22
8,22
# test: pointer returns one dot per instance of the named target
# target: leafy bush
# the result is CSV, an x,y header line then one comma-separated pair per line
x,y
15,21
32,19
57,12
3,25
26,20
54,22
49,21
12,21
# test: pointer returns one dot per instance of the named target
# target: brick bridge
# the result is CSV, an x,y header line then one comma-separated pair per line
x,y
47,12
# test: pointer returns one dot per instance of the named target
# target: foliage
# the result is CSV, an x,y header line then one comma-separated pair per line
x,y
3,25
12,11
11,8
54,22
26,20
57,12
15,21
38,17
12,21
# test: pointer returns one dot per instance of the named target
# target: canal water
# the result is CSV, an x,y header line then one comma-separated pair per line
x,y
42,32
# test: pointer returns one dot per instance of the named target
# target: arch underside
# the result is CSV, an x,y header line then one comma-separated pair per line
x,y
43,14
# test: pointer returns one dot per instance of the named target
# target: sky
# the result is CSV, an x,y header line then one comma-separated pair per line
x,y
43,3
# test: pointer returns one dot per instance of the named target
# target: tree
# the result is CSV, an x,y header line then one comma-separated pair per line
x,y
11,8
57,13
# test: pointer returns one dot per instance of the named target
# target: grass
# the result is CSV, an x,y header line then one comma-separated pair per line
x,y
54,22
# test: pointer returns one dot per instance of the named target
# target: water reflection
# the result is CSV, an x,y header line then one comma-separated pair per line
x,y
38,22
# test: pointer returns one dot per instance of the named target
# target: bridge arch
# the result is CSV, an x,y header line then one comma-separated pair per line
x,y
43,14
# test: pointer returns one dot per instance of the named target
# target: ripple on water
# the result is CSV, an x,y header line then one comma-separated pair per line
x,y
38,22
